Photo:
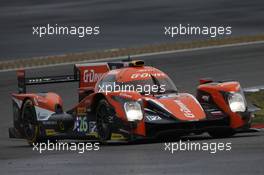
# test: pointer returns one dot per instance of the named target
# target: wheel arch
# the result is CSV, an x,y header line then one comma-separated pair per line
x,y
96,99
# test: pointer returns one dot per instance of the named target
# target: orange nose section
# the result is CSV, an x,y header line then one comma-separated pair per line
x,y
184,107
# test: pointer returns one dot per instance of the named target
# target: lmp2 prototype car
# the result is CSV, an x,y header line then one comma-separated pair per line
x,y
127,101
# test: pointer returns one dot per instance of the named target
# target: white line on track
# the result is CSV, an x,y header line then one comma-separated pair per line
x,y
145,55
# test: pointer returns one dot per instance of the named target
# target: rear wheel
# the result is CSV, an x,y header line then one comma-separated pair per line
x,y
29,121
103,123
221,133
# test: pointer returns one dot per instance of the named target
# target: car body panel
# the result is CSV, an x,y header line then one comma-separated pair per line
x,y
216,90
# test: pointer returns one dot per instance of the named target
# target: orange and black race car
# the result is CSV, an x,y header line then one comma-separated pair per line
x,y
126,100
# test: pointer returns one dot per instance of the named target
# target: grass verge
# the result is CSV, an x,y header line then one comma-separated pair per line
x,y
257,99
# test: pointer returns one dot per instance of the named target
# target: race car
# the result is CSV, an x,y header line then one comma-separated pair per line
x,y
126,101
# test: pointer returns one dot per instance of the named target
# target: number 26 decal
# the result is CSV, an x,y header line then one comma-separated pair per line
x,y
81,124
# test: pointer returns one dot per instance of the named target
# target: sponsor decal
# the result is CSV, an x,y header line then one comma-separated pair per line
x,y
89,76
153,117
146,75
92,127
81,124
81,111
217,113
50,132
116,136
186,111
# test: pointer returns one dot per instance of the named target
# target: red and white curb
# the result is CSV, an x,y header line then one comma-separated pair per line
x,y
257,127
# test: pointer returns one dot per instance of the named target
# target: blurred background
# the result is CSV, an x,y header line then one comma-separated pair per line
x,y
122,23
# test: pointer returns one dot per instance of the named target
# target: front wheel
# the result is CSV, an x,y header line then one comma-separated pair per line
x,y
222,133
103,123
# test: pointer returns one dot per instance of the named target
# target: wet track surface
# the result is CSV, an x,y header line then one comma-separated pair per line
x,y
243,63
123,23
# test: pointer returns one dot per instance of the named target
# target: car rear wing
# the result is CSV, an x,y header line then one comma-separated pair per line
x,y
87,74
24,81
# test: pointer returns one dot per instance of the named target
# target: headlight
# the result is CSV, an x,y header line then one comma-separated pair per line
x,y
237,102
133,111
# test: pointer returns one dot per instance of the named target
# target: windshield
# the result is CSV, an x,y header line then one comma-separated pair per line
x,y
154,86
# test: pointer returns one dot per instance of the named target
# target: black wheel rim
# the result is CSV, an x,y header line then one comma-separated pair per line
x,y
103,126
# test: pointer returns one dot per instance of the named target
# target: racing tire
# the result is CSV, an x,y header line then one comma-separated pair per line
x,y
222,133
103,123
29,122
